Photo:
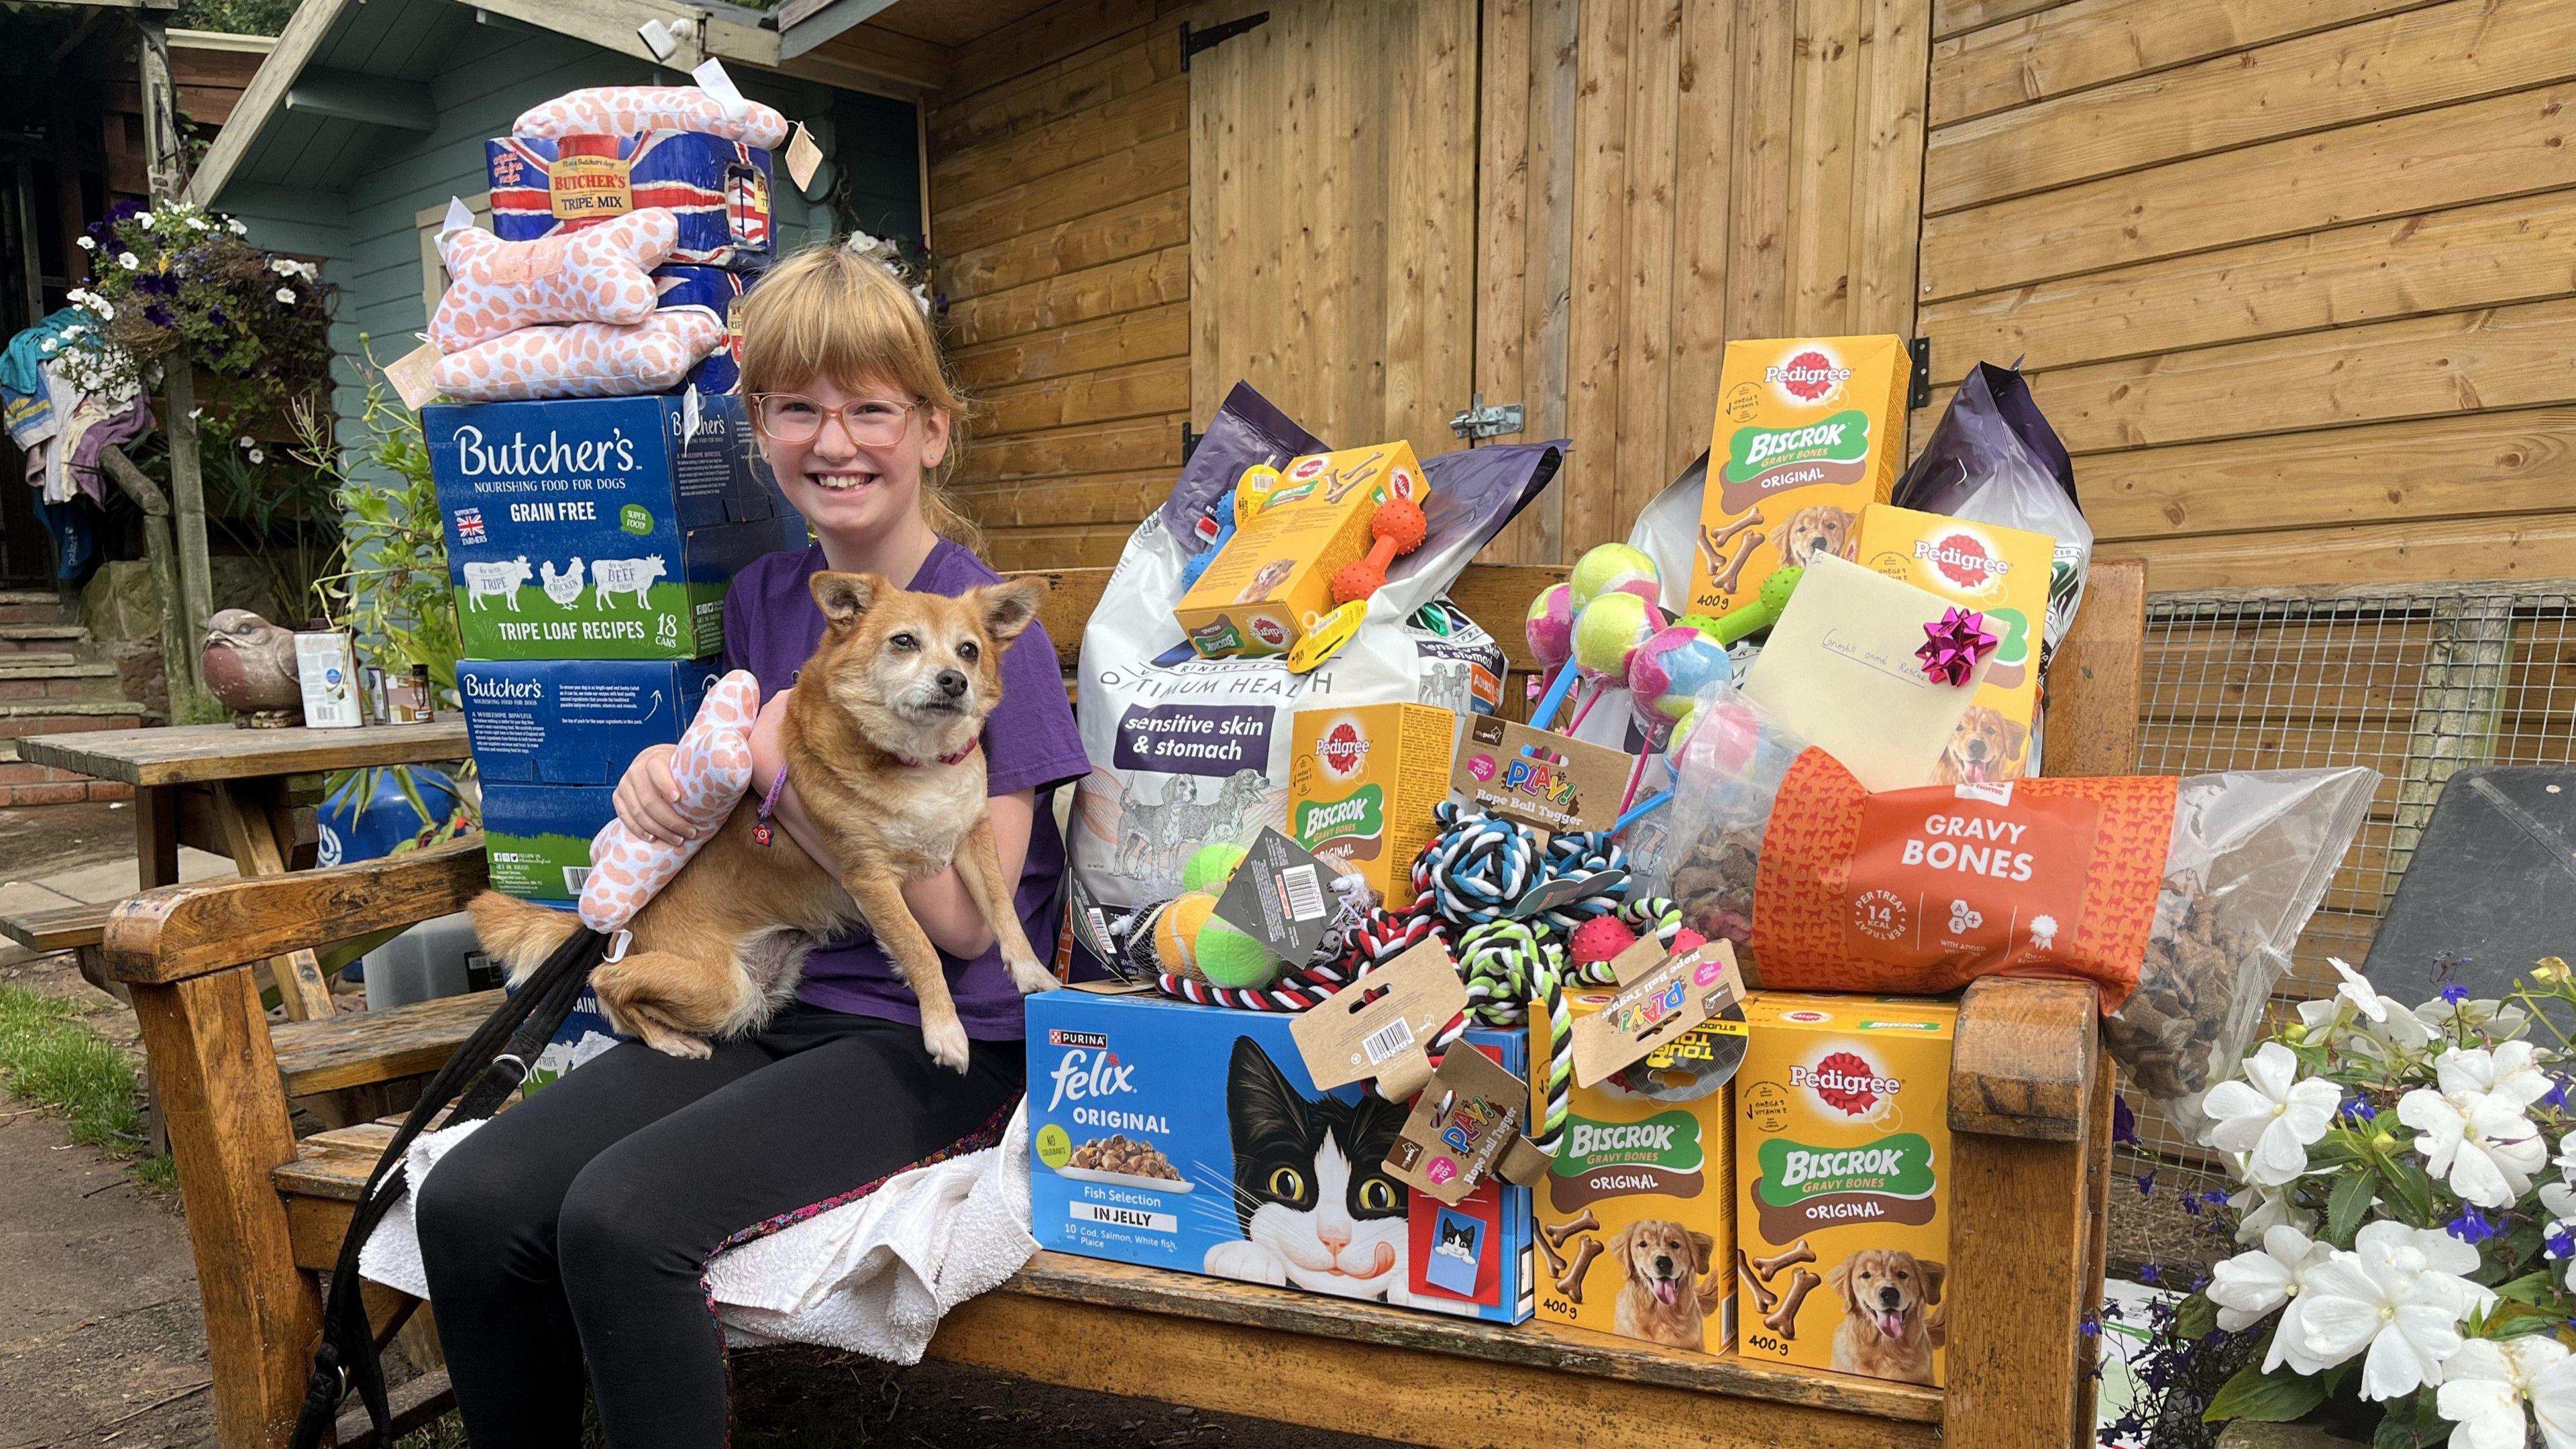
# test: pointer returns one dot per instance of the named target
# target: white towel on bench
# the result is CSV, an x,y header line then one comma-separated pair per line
x,y
872,1276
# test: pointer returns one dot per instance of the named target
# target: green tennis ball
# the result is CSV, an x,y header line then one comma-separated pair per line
x,y
1211,866
1608,632
1228,957
1613,567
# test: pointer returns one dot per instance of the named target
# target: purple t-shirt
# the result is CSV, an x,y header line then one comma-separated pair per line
x,y
772,626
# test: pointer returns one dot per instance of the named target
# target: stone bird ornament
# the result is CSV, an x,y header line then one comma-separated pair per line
x,y
249,664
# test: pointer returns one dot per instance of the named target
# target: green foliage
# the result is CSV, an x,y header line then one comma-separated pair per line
x,y
238,17
2278,1397
391,581
50,1060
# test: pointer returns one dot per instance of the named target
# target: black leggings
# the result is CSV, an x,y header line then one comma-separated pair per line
x,y
576,1226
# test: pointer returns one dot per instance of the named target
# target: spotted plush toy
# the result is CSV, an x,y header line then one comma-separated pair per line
x,y
598,274
583,359
712,768
633,110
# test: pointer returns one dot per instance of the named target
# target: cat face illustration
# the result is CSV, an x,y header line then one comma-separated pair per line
x,y
1310,1179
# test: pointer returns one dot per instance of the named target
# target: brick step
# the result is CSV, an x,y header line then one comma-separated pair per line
x,y
49,638
48,612
19,718
29,596
40,658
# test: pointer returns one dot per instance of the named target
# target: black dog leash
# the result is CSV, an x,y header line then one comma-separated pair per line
x,y
484,1071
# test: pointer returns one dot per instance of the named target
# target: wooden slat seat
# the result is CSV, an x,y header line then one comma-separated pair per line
x,y
335,1052
64,928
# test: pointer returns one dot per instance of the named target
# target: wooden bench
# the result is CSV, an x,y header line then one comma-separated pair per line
x,y
2030,1102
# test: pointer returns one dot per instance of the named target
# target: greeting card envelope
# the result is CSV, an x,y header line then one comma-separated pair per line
x,y
1840,669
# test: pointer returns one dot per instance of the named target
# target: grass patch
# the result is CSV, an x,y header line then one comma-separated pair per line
x,y
50,1059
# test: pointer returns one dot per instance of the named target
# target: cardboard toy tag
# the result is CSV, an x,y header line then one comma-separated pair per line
x,y
1378,1025
802,157
1658,1010
1110,988
1466,1127
692,414
1281,896
459,216
410,375
1552,781
711,78
1630,966
1325,636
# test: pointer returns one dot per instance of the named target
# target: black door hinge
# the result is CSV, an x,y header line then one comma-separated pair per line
x,y
1918,390
1194,41
1189,442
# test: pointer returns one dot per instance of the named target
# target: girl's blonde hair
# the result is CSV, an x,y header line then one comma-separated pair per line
x,y
829,312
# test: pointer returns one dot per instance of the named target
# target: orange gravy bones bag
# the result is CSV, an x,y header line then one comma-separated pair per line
x,y
1917,892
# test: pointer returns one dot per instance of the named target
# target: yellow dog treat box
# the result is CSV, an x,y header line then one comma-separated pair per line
x,y
1362,783
1274,579
1636,1217
1809,431
2001,573
1842,1179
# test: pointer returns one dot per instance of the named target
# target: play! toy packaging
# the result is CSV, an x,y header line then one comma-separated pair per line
x,y
1361,786
1809,431
1273,580
603,528
1193,1138
1636,1220
719,189
2002,573
1842,1175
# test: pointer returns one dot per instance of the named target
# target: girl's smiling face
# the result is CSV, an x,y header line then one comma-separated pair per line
x,y
852,486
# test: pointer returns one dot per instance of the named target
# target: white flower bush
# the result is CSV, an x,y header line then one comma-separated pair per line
x,y
2407,1204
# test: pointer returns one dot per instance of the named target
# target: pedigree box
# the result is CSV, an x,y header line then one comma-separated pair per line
x,y
2001,573
719,190
536,838
574,721
1273,580
1193,1138
600,528
1362,783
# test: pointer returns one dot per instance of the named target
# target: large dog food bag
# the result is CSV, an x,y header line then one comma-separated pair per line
x,y
2179,897
1187,750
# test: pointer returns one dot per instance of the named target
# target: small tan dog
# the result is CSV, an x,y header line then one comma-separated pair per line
x,y
1667,1295
1887,1330
879,740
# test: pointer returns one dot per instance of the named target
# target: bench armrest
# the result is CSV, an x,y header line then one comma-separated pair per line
x,y
179,932
2025,1059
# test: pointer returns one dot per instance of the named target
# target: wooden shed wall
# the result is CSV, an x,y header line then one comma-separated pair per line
x,y
2290,275
1059,209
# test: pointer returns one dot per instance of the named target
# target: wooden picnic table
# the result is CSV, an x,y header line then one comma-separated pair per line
x,y
224,789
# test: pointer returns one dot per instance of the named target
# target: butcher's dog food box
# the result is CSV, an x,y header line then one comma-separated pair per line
x,y
1842,1179
1636,1220
2001,573
1193,1138
600,528
719,190
1810,430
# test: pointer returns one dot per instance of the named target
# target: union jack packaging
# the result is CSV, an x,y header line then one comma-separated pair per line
x,y
718,291
719,190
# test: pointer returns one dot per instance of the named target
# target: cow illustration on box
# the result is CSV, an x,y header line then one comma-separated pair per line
x,y
612,576
495,581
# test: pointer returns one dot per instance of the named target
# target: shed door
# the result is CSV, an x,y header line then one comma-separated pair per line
x,y
1333,215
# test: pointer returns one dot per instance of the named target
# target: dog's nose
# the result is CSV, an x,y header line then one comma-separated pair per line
x,y
1976,749
1889,1296
951,683
1663,1265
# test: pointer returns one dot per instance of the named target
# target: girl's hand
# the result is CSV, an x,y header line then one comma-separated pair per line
x,y
768,755
648,798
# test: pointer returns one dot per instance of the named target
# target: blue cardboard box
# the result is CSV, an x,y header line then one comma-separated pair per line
x,y
719,189
536,838
600,528
1193,1138
575,721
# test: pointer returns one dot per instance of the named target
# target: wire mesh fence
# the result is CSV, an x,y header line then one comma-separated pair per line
x,y
2416,682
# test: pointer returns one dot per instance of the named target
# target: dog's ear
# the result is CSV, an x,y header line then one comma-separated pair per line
x,y
1008,609
1934,1275
1838,1278
844,597
2016,739
1703,1252
1622,1245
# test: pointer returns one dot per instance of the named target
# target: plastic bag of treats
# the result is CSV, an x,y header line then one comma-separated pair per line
x,y
2179,897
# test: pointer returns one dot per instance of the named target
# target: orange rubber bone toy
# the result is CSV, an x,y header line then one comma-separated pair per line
x,y
1399,527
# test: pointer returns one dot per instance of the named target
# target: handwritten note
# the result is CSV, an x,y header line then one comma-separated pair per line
x,y
1840,670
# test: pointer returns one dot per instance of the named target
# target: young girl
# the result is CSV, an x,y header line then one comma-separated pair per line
x,y
572,1231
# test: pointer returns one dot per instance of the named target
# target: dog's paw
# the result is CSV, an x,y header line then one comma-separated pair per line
x,y
686,1048
1029,976
947,1043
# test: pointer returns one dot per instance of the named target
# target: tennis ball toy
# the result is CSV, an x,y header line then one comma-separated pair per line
x,y
1176,933
1615,568
1228,957
1671,668
1607,633
1210,867
1551,625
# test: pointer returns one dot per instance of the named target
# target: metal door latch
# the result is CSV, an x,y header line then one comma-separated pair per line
x,y
1480,421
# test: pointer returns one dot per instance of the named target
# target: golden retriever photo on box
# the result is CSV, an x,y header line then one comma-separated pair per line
x,y
1888,1330
1814,532
1985,747
1663,1267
